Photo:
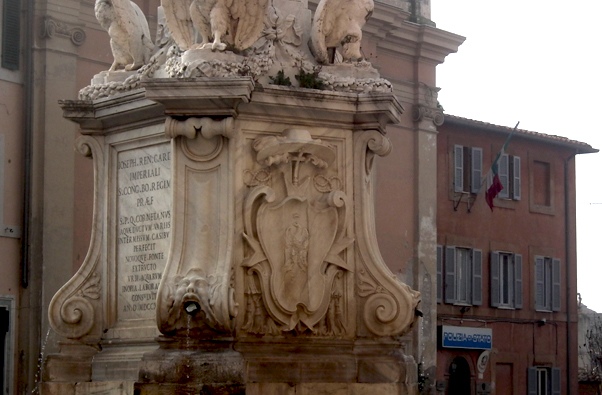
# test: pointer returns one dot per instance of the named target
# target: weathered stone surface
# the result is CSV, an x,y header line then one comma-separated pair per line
x,y
105,388
57,388
247,240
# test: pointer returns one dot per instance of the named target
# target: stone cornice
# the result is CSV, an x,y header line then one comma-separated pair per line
x,y
106,113
394,31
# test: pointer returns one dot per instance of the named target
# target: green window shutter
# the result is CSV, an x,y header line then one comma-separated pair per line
x,y
539,283
555,284
556,381
458,168
450,274
494,274
439,274
532,381
477,277
518,281
11,46
516,178
477,170
504,173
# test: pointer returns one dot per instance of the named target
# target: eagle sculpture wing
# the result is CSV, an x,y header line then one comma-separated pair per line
x,y
177,17
250,15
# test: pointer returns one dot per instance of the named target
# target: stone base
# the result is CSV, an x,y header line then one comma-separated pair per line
x,y
327,367
88,388
72,364
329,389
189,366
121,361
189,389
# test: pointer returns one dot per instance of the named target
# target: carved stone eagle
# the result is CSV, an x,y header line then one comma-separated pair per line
x,y
238,23
338,24
128,29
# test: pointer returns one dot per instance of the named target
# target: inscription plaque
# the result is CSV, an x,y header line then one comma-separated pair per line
x,y
143,228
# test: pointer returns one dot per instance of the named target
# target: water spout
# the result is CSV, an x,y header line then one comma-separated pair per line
x,y
191,307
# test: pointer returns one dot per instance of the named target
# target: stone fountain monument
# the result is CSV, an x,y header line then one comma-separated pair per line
x,y
233,246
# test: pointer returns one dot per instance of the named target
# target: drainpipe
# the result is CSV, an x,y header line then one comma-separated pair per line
x,y
567,259
27,143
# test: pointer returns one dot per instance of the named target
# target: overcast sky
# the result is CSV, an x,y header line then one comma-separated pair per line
x,y
537,62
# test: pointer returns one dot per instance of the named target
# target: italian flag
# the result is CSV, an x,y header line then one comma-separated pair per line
x,y
495,185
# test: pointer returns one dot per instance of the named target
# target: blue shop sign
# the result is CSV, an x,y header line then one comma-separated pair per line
x,y
466,337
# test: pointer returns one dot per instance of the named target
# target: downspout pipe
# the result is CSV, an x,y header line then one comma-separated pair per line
x,y
567,261
28,139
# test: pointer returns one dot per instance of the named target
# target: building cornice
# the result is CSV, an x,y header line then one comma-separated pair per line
x,y
582,148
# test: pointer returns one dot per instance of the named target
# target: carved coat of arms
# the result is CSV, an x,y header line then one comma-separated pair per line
x,y
297,231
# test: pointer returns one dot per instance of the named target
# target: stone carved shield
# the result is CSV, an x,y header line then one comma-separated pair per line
x,y
296,236
297,233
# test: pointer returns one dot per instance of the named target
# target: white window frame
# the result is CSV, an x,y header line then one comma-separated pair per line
x,y
506,280
463,279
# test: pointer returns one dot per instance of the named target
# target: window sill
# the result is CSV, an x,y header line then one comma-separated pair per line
x,y
505,203
462,304
539,209
506,308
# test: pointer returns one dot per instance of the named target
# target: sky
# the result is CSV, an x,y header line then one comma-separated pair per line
x,y
538,62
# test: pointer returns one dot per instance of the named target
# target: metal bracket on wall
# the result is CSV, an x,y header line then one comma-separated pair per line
x,y
469,200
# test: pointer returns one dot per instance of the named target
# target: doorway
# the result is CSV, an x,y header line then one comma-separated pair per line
x,y
459,377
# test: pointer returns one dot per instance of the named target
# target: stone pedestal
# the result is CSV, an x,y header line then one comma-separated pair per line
x,y
237,219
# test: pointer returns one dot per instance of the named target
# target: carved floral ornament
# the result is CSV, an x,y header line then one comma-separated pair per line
x,y
296,233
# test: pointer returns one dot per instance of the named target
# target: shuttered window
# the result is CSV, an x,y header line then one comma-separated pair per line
x,y
506,279
11,45
468,169
547,284
463,276
543,381
509,173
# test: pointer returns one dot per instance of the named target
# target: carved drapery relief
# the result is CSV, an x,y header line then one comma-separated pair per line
x,y
296,231
196,293
388,305
75,310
